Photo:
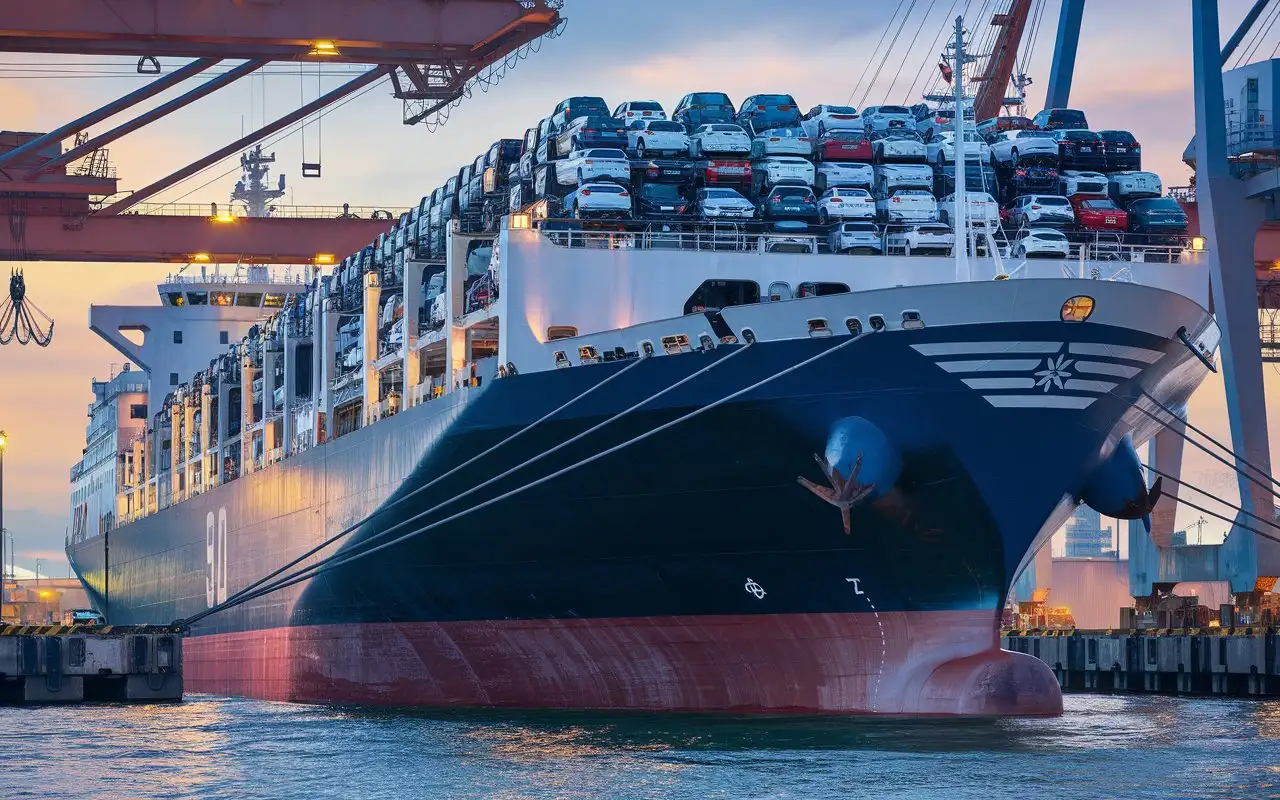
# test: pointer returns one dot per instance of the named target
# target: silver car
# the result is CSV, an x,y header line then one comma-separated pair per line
x,y
724,138
882,118
856,237
599,200
898,145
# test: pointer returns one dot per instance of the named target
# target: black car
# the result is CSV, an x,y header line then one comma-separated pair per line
x,y
1078,149
1159,218
655,200
1122,151
1031,180
663,170
571,108
978,178
1052,119
789,202
703,108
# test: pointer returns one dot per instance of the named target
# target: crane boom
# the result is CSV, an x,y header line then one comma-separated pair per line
x,y
994,81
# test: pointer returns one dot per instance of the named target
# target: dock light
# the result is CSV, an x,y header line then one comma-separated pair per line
x,y
200,257
520,222
323,47
323,258
222,217
4,441
1197,243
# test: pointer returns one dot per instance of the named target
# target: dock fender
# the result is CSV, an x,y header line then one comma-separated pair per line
x,y
1118,488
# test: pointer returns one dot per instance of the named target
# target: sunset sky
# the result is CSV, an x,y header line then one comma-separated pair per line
x,y
1134,72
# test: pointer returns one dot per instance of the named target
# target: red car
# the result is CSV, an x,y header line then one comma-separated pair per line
x,y
1094,213
727,172
843,145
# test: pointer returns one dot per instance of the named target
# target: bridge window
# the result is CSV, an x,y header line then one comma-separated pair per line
x,y
249,299
224,337
173,379
198,298
223,298
715,295
273,301
177,337
176,299
138,411
561,332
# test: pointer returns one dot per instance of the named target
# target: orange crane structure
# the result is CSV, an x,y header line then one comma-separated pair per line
x,y
993,81
64,205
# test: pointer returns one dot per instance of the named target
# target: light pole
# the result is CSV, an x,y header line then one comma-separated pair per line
x,y
4,442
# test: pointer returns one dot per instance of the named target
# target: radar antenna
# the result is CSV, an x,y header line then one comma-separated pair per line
x,y
16,320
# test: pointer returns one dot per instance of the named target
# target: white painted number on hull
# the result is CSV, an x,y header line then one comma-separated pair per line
x,y
854,581
755,589
215,549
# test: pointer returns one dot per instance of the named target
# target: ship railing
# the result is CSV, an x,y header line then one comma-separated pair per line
x,y
276,212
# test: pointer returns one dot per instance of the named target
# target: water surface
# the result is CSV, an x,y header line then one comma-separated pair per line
x,y
214,747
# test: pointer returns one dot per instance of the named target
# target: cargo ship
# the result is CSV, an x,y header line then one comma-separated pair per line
x,y
630,464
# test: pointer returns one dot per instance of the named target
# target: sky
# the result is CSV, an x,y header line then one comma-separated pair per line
x,y
1123,80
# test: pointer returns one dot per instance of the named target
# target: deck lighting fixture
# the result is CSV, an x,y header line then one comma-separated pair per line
x,y
323,47
222,218
4,441
200,258
1197,243
520,222
323,258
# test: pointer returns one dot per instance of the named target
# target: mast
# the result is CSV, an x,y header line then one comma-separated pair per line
x,y
960,215
252,188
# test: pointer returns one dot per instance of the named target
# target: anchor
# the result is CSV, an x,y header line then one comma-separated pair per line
x,y
844,493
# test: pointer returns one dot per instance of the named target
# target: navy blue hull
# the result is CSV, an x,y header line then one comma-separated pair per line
x,y
706,519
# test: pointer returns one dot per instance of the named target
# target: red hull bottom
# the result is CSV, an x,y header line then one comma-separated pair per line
x,y
943,662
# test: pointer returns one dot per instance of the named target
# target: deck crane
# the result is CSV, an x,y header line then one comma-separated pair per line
x,y
998,70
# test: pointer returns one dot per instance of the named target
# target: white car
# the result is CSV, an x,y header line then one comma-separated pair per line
x,y
823,118
984,211
843,204
1044,210
598,200
715,204
1082,182
657,136
942,148
830,174
722,138
907,205
1041,243
767,172
897,144
586,166
631,111
782,142
880,118
938,239
1031,148
856,237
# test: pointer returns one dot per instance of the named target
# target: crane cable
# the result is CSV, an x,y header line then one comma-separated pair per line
x,y
929,57
1257,35
399,500
910,47
872,57
884,59
335,561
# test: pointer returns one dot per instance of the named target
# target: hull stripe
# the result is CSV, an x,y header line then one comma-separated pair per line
x,y
1116,351
989,365
975,348
1039,401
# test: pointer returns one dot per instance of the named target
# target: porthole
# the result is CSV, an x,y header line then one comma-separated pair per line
x,y
1077,309
854,325
562,360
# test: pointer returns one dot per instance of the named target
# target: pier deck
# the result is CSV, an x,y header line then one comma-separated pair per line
x,y
71,664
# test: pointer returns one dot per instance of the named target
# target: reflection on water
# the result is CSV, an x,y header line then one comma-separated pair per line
x,y
207,747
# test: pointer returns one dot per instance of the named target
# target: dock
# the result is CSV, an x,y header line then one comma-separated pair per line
x,y
73,664
1222,662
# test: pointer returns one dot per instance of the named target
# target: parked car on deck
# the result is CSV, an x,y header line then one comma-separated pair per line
x,y
942,148
1160,218
633,110
978,178
730,172
926,239
598,200
1127,186
1041,210
1084,182
994,126
1122,150
589,166
1031,180
83,616
942,119
880,118
907,205
1014,148
781,142
984,211
591,131
830,174
1052,119
822,118
657,137
842,145
661,201
898,145
761,112
860,238
718,204
703,108
571,108
788,202
841,204
1080,149
1095,213
1040,243
769,171
723,138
